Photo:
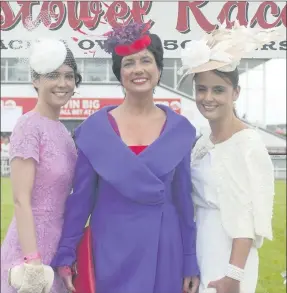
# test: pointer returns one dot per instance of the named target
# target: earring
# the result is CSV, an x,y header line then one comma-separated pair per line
x,y
76,92
234,109
124,91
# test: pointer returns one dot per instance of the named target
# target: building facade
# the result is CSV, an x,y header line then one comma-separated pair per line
x,y
80,23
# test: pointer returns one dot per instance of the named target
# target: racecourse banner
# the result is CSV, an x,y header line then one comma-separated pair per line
x,y
80,108
82,23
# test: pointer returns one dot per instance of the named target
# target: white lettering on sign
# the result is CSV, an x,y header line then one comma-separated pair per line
x,y
91,104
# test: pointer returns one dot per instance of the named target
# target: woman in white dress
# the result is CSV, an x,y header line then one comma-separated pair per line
x,y
232,173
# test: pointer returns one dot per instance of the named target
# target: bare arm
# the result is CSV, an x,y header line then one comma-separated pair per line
x,y
240,251
239,254
22,179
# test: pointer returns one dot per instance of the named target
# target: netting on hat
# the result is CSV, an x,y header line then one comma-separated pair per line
x,y
44,56
31,33
44,16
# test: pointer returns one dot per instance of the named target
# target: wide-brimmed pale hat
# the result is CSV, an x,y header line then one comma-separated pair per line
x,y
223,48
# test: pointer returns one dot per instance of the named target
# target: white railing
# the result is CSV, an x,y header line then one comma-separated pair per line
x,y
5,167
279,173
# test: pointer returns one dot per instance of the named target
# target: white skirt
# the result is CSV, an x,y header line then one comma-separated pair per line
x,y
214,250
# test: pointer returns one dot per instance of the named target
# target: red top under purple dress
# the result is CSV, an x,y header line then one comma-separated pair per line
x,y
135,148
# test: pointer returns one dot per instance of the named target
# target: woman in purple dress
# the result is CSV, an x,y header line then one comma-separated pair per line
x,y
133,177
42,158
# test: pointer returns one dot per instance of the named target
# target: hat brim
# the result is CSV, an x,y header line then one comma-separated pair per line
x,y
236,54
211,65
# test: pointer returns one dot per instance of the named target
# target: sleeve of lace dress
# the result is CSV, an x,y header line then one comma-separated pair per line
x,y
25,140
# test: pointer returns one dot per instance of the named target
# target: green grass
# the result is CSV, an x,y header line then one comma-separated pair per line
x,y
272,254
6,206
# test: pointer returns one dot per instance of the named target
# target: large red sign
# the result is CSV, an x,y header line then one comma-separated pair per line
x,y
81,23
116,13
81,108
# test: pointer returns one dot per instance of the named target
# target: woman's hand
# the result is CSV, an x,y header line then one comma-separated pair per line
x,y
194,281
225,285
66,275
33,280
68,283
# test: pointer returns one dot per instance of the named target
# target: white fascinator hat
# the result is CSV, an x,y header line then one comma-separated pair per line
x,y
47,55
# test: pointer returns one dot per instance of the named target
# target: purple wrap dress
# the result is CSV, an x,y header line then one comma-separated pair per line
x,y
142,217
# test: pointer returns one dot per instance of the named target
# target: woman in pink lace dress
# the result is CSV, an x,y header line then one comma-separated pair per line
x,y
42,156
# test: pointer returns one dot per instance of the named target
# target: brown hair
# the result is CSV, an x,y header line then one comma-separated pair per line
x,y
231,77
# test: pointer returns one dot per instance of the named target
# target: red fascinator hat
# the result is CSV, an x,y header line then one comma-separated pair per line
x,y
128,40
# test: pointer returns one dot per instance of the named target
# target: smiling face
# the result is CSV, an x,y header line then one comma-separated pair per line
x,y
56,88
215,95
139,72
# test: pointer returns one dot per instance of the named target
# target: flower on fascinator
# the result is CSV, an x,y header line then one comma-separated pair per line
x,y
197,53
222,49
194,54
268,35
47,55
125,35
230,67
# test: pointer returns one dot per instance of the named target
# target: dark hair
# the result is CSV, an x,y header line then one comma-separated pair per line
x,y
155,48
70,61
232,77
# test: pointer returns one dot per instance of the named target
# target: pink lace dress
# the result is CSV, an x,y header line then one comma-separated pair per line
x,y
50,145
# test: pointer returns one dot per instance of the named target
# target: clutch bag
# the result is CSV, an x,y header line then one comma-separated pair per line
x,y
83,269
